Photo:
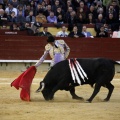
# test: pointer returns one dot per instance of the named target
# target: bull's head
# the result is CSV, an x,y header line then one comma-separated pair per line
x,y
45,90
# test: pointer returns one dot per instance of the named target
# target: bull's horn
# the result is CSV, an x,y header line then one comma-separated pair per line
x,y
42,85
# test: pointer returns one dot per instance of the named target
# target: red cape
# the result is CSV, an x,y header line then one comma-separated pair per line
x,y
24,81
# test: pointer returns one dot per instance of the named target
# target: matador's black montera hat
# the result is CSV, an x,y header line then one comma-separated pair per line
x,y
50,39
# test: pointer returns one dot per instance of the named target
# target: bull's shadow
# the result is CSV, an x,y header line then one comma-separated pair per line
x,y
96,71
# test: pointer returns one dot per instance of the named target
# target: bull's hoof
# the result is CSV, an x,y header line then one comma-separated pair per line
x,y
50,97
88,101
105,100
47,99
78,98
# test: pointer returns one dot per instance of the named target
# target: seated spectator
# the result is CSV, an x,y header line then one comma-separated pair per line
x,y
62,33
59,11
111,10
116,5
80,11
99,22
3,17
56,5
36,25
1,4
110,20
106,2
44,32
48,10
38,9
76,3
102,33
11,9
68,6
47,2
30,17
107,28
37,32
28,28
79,26
116,34
86,33
20,8
101,11
52,18
27,10
60,19
83,6
14,26
67,14
43,6
92,11
32,6
72,18
100,19
100,5
41,18
20,18
90,19
87,3
12,17
75,33
25,26
15,3
80,19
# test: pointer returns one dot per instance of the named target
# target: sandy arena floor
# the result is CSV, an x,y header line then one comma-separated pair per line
x,y
63,107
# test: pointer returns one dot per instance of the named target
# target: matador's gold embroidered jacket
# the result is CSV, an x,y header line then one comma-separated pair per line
x,y
58,52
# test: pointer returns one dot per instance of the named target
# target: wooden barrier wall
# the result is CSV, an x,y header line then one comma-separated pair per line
x,y
16,32
31,48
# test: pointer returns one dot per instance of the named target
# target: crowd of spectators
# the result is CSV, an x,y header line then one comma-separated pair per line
x,y
102,13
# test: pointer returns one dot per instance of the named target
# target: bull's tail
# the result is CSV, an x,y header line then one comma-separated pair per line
x,y
115,62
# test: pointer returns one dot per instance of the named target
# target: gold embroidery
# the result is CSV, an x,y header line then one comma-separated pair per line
x,y
53,49
48,46
51,52
61,41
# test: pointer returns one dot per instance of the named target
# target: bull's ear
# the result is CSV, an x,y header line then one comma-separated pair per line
x,y
41,87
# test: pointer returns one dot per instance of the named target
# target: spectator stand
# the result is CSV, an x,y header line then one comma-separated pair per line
x,y
51,28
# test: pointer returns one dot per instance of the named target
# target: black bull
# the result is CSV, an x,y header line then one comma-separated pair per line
x,y
100,72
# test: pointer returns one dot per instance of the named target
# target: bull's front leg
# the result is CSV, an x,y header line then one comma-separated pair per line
x,y
55,89
51,96
74,96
